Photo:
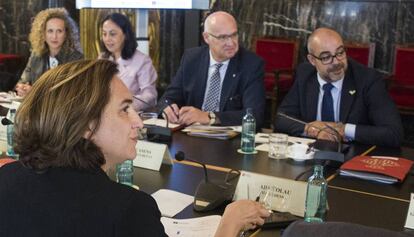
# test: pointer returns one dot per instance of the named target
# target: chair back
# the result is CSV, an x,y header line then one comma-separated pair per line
x,y
277,52
404,65
401,87
363,53
280,56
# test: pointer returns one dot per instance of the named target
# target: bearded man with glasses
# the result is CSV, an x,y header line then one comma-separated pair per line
x,y
216,83
338,98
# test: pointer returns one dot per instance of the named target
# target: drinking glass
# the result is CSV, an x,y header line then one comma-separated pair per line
x,y
266,200
149,118
278,143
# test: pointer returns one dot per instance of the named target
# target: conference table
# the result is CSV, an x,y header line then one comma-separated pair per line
x,y
350,200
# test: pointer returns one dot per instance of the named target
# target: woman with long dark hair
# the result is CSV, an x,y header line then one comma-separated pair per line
x,y
135,68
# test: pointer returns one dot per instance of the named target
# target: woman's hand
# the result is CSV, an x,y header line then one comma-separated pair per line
x,y
22,89
239,216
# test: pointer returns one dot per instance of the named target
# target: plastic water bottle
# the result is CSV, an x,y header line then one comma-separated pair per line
x,y
248,132
125,173
10,132
315,210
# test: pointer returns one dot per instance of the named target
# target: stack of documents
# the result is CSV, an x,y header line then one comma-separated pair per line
x,y
170,203
369,176
263,138
217,132
384,169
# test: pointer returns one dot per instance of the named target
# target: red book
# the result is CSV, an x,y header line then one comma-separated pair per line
x,y
383,169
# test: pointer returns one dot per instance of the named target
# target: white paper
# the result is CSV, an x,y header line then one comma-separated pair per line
x,y
286,195
198,127
264,138
263,147
217,132
171,202
151,155
409,222
195,227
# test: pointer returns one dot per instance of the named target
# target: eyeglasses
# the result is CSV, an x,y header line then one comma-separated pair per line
x,y
224,38
328,59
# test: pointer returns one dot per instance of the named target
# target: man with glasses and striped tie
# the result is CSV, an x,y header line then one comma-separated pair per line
x,y
215,84
335,97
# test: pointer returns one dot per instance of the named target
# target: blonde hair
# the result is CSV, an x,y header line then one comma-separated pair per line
x,y
64,103
37,32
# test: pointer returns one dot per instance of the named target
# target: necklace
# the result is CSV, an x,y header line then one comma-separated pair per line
x,y
53,62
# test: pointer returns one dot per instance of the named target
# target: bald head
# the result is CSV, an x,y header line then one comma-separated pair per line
x,y
327,53
217,19
321,36
220,33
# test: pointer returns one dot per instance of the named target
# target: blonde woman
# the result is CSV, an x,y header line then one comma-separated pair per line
x,y
54,38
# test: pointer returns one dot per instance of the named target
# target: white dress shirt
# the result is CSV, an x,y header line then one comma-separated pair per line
x,y
336,96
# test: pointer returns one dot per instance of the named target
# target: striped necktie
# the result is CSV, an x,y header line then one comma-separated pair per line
x,y
212,102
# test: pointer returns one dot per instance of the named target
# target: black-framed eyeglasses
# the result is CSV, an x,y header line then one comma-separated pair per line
x,y
224,38
328,59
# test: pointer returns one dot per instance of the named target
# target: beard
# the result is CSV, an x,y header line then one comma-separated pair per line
x,y
335,67
332,75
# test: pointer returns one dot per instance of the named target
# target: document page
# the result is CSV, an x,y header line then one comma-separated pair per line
x,y
195,227
171,202
161,123
264,138
217,132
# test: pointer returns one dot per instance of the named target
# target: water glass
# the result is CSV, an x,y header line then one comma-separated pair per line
x,y
278,143
125,173
266,200
149,118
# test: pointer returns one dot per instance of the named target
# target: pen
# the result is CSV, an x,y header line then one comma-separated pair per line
x,y
172,109
167,102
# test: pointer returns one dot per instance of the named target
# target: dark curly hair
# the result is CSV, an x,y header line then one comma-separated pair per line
x,y
130,44
64,103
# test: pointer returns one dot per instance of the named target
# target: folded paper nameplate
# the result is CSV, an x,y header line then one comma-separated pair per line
x,y
285,195
409,221
151,155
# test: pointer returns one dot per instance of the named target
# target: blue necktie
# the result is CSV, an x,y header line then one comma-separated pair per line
x,y
327,104
212,102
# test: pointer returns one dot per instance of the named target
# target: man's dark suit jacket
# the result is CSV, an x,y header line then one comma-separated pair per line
x,y
68,202
364,102
242,86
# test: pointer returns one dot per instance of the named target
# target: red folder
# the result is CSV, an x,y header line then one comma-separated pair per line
x,y
366,167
